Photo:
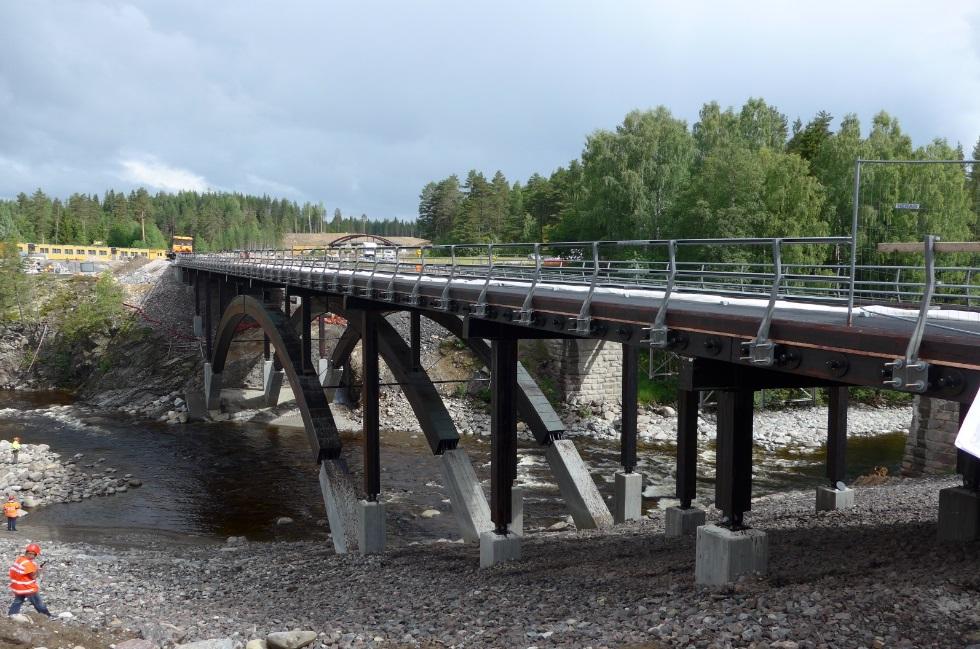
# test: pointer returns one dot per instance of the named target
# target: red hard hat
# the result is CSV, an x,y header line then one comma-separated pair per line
x,y
33,547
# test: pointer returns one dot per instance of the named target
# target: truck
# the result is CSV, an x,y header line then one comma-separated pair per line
x,y
180,244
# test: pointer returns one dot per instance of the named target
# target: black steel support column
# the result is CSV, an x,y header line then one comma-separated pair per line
x,y
197,294
837,435
223,297
370,395
687,446
966,464
733,479
415,340
306,308
287,301
503,430
266,348
627,437
321,336
208,315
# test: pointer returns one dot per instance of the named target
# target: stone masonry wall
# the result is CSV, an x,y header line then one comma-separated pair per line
x,y
929,448
588,370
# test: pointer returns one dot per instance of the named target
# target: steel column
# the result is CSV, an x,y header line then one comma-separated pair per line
x,y
966,464
370,395
266,351
837,435
306,307
503,430
208,315
197,294
415,339
321,336
627,437
733,480
687,446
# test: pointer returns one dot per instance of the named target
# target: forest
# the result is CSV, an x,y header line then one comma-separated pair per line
x,y
217,221
742,172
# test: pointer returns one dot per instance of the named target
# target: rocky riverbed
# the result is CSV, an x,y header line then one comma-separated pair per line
x,y
874,576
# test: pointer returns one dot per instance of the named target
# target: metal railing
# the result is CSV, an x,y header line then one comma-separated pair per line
x,y
775,271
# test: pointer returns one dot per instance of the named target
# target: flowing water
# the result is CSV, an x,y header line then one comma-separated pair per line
x,y
202,481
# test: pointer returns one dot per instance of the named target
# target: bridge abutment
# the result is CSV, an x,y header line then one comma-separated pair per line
x,y
929,449
587,370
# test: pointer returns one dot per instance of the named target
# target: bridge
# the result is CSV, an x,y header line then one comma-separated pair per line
x,y
773,319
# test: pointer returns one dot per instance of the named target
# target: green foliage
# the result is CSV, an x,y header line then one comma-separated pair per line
x,y
12,280
84,307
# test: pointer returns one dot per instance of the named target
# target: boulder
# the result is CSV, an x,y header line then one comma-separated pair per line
x,y
431,513
258,643
284,520
290,639
162,633
20,618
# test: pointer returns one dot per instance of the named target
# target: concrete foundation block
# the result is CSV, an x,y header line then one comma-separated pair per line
x,y
197,408
469,503
212,388
371,527
271,383
340,499
628,500
329,377
959,514
517,512
830,499
722,556
198,326
498,548
683,522
578,490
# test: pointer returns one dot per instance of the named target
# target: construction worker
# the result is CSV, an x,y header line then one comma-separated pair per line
x,y
15,448
11,509
23,581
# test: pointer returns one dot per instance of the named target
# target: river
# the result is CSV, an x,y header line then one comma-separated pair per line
x,y
214,480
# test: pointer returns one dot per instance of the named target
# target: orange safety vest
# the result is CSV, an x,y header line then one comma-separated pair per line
x,y
10,508
23,577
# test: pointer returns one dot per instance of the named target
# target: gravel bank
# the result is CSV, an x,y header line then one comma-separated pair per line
x,y
871,577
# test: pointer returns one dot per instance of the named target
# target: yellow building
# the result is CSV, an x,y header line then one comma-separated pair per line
x,y
72,252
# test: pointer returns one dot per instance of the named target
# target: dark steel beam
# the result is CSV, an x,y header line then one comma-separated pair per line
x,y
705,374
503,431
370,396
687,446
208,317
493,330
733,480
837,435
306,334
197,295
415,339
627,436
266,351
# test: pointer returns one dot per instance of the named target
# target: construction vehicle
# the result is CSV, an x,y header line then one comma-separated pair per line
x,y
180,244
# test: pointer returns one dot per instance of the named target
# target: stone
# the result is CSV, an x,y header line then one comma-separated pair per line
x,y
136,644
290,639
430,513
683,522
257,643
217,643
830,499
284,520
498,548
723,555
162,633
20,618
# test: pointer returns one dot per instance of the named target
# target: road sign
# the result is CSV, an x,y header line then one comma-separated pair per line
x,y
906,206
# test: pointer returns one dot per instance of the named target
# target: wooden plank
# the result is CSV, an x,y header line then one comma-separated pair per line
x,y
939,246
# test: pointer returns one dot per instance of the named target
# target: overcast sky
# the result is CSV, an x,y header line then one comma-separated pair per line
x,y
359,104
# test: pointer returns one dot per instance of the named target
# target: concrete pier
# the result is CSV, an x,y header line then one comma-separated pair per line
x,y
830,499
628,503
578,490
469,503
329,376
683,522
517,511
212,388
271,383
498,548
959,514
371,537
340,499
198,326
722,556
